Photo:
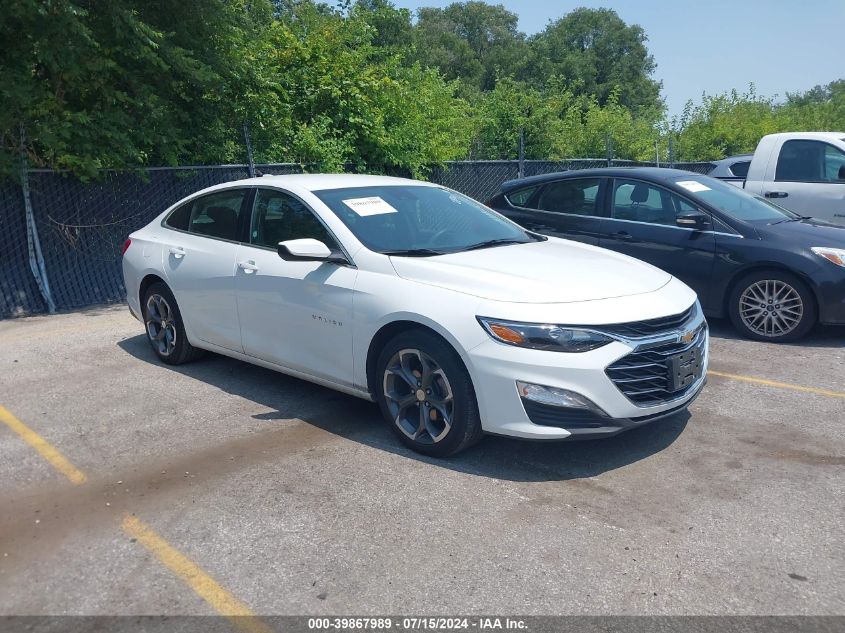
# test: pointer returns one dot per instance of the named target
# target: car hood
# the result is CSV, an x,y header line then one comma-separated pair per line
x,y
552,271
810,232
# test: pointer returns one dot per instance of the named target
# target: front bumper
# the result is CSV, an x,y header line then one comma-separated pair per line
x,y
496,367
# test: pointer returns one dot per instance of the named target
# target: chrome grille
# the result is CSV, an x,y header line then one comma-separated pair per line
x,y
650,327
643,375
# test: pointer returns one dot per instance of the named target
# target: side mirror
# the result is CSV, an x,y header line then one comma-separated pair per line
x,y
841,175
693,220
308,250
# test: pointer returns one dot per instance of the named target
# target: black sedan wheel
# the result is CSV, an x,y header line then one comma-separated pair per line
x,y
772,306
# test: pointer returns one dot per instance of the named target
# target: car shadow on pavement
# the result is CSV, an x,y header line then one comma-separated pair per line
x,y
820,336
360,421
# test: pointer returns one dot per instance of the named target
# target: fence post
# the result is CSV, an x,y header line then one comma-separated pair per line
x,y
249,158
33,245
608,145
671,152
521,171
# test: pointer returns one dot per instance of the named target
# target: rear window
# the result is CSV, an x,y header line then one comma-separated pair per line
x,y
740,169
520,197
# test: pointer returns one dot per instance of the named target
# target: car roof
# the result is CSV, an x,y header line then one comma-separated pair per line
x,y
319,182
649,173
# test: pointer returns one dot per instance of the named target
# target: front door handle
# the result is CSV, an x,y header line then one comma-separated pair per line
x,y
248,267
776,194
622,235
177,251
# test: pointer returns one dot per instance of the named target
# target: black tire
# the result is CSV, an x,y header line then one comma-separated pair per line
x,y
181,350
464,428
757,280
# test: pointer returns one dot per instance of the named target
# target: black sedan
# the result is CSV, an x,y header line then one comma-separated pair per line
x,y
773,272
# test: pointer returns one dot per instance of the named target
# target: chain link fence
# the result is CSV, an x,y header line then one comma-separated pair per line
x,y
81,226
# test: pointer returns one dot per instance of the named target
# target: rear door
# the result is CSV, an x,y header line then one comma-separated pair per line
x,y
570,208
642,225
809,179
199,263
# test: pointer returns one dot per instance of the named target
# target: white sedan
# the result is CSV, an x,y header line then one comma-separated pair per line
x,y
455,320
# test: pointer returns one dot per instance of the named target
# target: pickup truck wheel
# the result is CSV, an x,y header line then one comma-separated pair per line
x,y
773,306
426,395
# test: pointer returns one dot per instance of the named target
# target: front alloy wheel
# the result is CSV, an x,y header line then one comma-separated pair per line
x,y
419,396
772,306
426,394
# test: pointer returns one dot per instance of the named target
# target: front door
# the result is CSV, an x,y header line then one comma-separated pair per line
x,y
294,314
642,225
810,180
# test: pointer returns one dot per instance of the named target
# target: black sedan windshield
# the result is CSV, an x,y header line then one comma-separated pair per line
x,y
732,200
419,220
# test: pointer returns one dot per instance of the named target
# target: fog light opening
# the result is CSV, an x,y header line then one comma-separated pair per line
x,y
557,397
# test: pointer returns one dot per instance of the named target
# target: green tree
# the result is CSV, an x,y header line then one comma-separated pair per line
x,y
471,41
598,54
104,84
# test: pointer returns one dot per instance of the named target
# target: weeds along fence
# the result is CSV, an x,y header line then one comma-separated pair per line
x,y
60,238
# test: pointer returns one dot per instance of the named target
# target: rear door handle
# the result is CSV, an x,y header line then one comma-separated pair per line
x,y
248,267
776,194
177,251
622,235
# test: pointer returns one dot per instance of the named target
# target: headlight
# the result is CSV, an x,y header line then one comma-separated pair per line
x,y
543,336
835,255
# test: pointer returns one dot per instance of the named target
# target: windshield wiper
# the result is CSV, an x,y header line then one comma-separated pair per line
x,y
414,252
496,242
797,218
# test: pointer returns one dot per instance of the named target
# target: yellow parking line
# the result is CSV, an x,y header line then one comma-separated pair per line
x,y
204,585
47,450
780,385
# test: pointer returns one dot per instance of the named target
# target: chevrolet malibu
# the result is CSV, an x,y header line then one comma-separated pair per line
x,y
455,320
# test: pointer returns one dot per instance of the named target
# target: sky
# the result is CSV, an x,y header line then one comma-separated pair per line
x,y
717,45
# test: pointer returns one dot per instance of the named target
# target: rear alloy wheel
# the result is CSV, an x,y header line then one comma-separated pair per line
x,y
165,329
426,394
772,306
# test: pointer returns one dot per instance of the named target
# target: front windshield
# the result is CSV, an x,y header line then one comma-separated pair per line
x,y
731,200
421,220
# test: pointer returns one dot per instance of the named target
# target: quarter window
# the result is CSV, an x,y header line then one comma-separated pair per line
x,y
214,215
575,197
279,217
641,202
810,161
521,197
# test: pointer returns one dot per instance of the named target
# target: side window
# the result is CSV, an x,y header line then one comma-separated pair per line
x,y
643,202
521,197
576,197
834,164
216,215
801,161
278,217
740,169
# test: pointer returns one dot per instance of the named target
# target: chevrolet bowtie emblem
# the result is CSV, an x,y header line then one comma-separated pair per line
x,y
686,337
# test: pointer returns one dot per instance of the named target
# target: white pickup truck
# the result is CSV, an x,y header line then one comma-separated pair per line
x,y
802,171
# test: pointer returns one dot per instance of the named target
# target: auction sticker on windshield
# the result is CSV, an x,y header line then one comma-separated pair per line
x,y
373,205
693,185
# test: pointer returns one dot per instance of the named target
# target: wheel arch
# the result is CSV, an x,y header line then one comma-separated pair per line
x,y
146,282
393,328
